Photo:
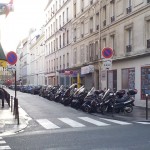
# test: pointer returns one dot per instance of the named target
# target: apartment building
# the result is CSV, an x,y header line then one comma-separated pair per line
x,y
85,45
58,41
37,61
125,27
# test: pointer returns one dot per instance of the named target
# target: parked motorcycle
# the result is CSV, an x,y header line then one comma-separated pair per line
x,y
92,99
78,98
115,104
67,96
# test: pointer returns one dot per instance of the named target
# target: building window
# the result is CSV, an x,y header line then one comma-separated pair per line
x,y
56,43
67,60
74,10
82,29
75,56
63,61
60,41
129,6
74,38
67,14
91,52
128,78
104,42
82,5
112,42
60,63
63,39
104,15
67,36
56,24
56,5
82,57
91,25
60,21
128,39
63,18
112,3
145,81
148,33
96,50
97,21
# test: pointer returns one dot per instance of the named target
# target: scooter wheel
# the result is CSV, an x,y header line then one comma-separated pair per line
x,y
129,109
98,110
87,109
104,110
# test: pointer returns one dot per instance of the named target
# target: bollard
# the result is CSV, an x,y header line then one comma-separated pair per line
x,y
11,103
146,106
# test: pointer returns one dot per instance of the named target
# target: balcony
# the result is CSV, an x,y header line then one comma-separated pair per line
x,y
104,23
112,18
128,48
148,43
129,10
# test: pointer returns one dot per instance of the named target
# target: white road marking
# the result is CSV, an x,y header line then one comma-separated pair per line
x,y
140,122
71,122
117,121
93,121
4,147
47,124
2,142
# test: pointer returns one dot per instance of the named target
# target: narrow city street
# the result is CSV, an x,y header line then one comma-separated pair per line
x,y
56,127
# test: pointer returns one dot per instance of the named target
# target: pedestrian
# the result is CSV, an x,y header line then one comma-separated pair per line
x,y
2,96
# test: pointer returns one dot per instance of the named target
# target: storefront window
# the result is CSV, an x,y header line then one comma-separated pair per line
x,y
128,78
145,81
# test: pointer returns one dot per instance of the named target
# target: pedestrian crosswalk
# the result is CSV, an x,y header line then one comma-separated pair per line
x,y
81,122
3,144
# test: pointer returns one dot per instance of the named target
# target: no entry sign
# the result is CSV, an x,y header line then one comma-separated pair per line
x,y
107,52
11,58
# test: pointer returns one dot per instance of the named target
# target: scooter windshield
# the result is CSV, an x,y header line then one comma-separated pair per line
x,y
91,92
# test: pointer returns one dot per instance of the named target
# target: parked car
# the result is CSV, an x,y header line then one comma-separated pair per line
x,y
36,89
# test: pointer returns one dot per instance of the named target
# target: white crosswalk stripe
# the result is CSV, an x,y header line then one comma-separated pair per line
x,y
71,122
143,122
116,121
93,121
2,146
47,124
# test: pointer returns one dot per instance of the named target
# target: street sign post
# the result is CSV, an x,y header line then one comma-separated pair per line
x,y
11,58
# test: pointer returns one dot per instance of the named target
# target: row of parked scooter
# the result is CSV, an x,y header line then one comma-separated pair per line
x,y
100,101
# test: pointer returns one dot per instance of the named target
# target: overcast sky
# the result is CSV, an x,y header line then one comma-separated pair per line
x,y
27,14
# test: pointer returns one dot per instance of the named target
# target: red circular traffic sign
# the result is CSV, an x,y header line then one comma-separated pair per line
x,y
11,58
107,52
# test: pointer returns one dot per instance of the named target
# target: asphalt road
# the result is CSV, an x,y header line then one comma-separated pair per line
x,y
56,127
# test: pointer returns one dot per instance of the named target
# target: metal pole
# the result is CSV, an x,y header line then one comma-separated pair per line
x,y
16,100
146,106
11,103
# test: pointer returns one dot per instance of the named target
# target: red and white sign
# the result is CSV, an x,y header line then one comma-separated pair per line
x,y
107,52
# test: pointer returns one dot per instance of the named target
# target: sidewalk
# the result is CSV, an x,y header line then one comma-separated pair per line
x,y
8,123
